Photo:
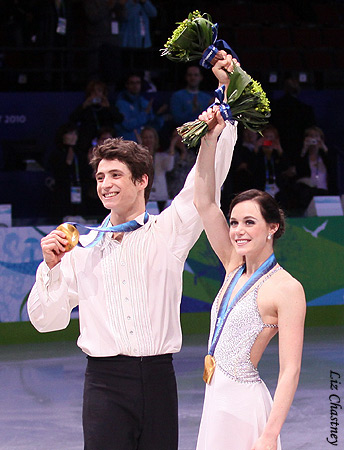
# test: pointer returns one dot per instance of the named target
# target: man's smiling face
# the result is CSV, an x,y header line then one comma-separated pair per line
x,y
116,188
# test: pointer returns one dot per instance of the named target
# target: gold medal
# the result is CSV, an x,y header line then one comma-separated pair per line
x,y
209,367
72,235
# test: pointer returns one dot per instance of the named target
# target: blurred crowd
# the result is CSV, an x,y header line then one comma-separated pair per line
x,y
134,117
49,43
290,159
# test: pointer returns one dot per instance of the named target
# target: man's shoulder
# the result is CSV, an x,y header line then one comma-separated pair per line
x,y
121,98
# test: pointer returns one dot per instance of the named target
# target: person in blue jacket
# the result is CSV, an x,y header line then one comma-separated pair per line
x,y
135,32
136,110
186,104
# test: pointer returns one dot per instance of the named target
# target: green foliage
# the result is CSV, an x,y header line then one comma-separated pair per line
x,y
248,103
245,96
190,38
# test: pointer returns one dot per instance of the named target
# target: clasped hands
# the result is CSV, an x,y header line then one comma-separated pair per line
x,y
222,64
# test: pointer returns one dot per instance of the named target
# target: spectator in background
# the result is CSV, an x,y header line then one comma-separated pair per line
x,y
240,177
291,117
135,32
93,114
163,162
188,103
312,168
340,170
271,168
53,20
136,110
53,23
103,24
105,133
184,160
65,167
269,161
243,162
92,205
18,16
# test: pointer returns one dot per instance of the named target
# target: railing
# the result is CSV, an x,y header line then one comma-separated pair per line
x,y
61,69
69,69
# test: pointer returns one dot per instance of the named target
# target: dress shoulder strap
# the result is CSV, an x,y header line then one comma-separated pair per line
x,y
274,270
225,283
268,275
231,274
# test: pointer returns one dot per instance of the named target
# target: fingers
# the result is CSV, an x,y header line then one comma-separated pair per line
x,y
209,114
55,242
220,119
221,54
224,60
228,63
237,63
221,68
213,118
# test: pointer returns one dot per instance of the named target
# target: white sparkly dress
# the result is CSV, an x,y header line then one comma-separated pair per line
x,y
237,403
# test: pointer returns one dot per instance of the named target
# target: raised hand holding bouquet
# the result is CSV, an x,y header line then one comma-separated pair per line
x,y
243,99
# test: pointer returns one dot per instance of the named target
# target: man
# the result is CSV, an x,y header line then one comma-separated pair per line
x,y
128,287
102,26
188,103
137,110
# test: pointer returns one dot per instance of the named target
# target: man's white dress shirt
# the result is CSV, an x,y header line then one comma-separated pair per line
x,y
128,292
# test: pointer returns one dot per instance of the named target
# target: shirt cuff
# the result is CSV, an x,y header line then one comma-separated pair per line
x,y
48,275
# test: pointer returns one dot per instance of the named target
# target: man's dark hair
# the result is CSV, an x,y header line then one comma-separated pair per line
x,y
136,157
132,74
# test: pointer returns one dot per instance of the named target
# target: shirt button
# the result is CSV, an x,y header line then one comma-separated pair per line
x,y
131,332
123,282
122,263
126,299
128,317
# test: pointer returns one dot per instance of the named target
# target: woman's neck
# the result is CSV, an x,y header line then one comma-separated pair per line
x,y
254,262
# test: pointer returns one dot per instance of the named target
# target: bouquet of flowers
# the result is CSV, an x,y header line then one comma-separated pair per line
x,y
196,38
190,38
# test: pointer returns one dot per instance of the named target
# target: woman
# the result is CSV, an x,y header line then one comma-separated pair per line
x,y
94,113
269,163
163,162
238,411
312,167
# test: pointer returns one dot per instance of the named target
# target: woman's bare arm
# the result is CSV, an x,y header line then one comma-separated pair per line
x,y
291,309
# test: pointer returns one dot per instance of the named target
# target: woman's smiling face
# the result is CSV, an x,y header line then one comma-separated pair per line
x,y
248,229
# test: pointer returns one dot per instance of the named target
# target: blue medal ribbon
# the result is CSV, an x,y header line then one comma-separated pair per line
x,y
211,51
132,225
225,109
224,309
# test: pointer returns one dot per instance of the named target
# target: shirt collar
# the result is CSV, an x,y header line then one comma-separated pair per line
x,y
140,219
107,238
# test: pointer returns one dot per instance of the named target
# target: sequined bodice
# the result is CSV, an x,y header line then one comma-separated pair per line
x,y
242,327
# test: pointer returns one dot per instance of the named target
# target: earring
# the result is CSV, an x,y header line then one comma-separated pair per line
x,y
269,236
